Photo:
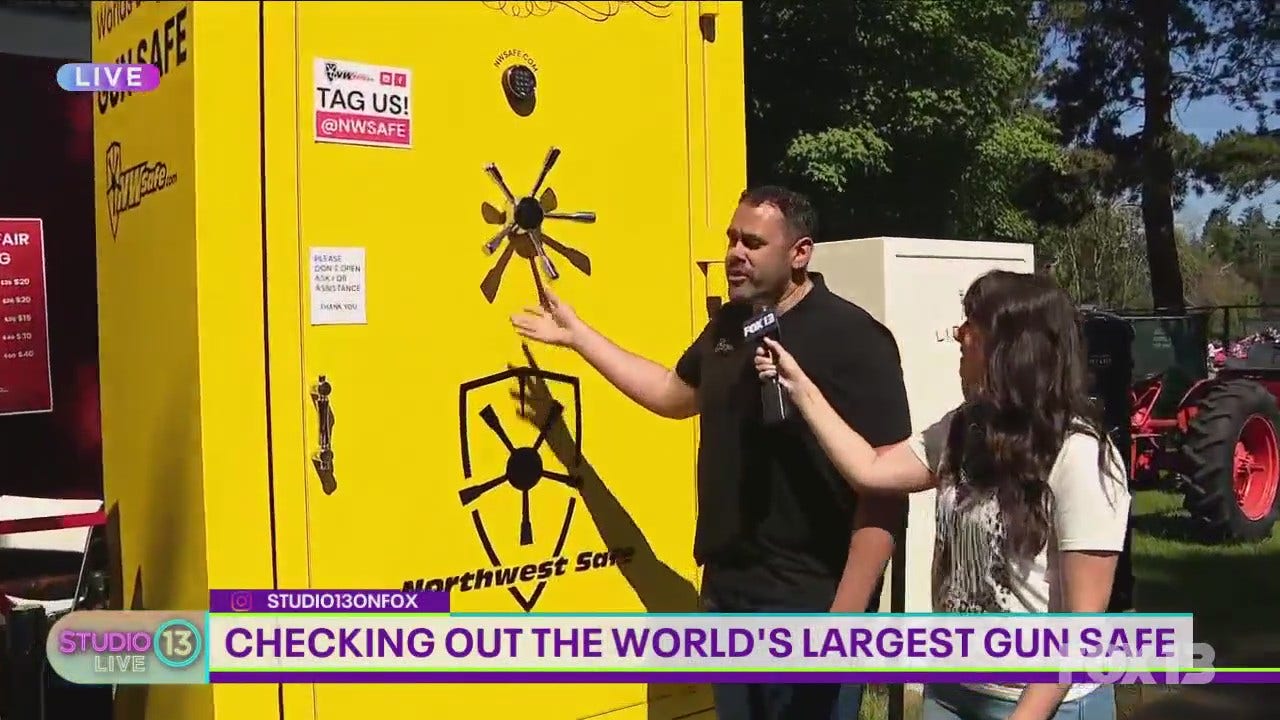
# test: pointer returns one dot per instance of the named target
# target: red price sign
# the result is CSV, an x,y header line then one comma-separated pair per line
x,y
25,379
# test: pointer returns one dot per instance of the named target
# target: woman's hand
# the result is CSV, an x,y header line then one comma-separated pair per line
x,y
893,469
772,360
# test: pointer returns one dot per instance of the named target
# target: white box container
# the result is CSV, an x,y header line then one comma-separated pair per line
x,y
914,286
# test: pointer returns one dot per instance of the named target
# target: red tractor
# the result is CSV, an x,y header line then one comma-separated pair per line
x,y
1213,436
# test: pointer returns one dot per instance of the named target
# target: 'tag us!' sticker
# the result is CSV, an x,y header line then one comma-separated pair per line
x,y
358,104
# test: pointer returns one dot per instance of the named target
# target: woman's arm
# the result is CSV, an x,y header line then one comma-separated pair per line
x,y
893,469
1087,578
1091,513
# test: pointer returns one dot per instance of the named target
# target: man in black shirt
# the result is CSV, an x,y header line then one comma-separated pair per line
x,y
778,529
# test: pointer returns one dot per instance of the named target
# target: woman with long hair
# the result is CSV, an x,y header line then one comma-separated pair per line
x,y
1032,501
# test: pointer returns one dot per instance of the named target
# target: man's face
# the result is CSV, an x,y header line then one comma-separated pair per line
x,y
762,254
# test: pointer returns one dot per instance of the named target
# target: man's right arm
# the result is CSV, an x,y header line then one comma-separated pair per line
x,y
655,388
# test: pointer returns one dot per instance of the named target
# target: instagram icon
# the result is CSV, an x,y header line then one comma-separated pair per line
x,y
242,602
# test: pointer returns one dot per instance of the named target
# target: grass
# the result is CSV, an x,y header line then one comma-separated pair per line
x,y
875,704
1234,592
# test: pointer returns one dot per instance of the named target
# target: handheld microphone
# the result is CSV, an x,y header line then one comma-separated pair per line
x,y
775,404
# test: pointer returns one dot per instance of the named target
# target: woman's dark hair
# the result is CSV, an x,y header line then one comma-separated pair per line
x,y
1007,435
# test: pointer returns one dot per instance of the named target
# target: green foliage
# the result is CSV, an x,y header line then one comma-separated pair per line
x,y
1241,163
829,157
901,118
1002,119
1099,260
1250,246
1014,150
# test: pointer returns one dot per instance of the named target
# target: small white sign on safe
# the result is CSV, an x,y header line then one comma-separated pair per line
x,y
338,294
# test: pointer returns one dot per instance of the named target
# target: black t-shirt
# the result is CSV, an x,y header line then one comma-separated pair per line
x,y
774,515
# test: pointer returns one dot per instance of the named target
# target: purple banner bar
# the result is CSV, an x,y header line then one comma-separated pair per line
x,y
1260,676
327,601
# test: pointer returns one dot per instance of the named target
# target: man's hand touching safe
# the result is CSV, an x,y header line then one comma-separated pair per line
x,y
555,323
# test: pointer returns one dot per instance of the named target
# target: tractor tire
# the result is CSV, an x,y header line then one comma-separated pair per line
x,y
1231,492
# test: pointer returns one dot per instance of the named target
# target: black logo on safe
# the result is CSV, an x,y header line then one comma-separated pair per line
x,y
127,187
523,472
334,71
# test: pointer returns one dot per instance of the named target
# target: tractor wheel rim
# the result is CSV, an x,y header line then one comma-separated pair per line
x,y
1257,467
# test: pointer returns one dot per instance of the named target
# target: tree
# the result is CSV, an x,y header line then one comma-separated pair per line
x,y
1251,246
1145,55
899,118
1098,260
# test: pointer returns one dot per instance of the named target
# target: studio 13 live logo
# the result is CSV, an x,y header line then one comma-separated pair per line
x,y
128,186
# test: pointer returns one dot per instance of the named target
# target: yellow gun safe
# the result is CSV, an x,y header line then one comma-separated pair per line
x,y
311,238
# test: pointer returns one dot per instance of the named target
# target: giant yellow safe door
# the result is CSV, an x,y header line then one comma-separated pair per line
x,y
312,237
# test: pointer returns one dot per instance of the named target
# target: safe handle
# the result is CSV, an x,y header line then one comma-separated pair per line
x,y
323,458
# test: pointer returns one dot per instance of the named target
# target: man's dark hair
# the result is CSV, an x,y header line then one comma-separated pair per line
x,y
802,219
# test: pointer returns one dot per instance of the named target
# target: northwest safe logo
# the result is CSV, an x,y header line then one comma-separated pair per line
x,y
522,472
128,186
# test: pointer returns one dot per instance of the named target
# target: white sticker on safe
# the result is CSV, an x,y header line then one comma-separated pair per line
x,y
337,286
358,104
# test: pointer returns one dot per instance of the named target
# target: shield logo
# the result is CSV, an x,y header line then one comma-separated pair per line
x,y
542,397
